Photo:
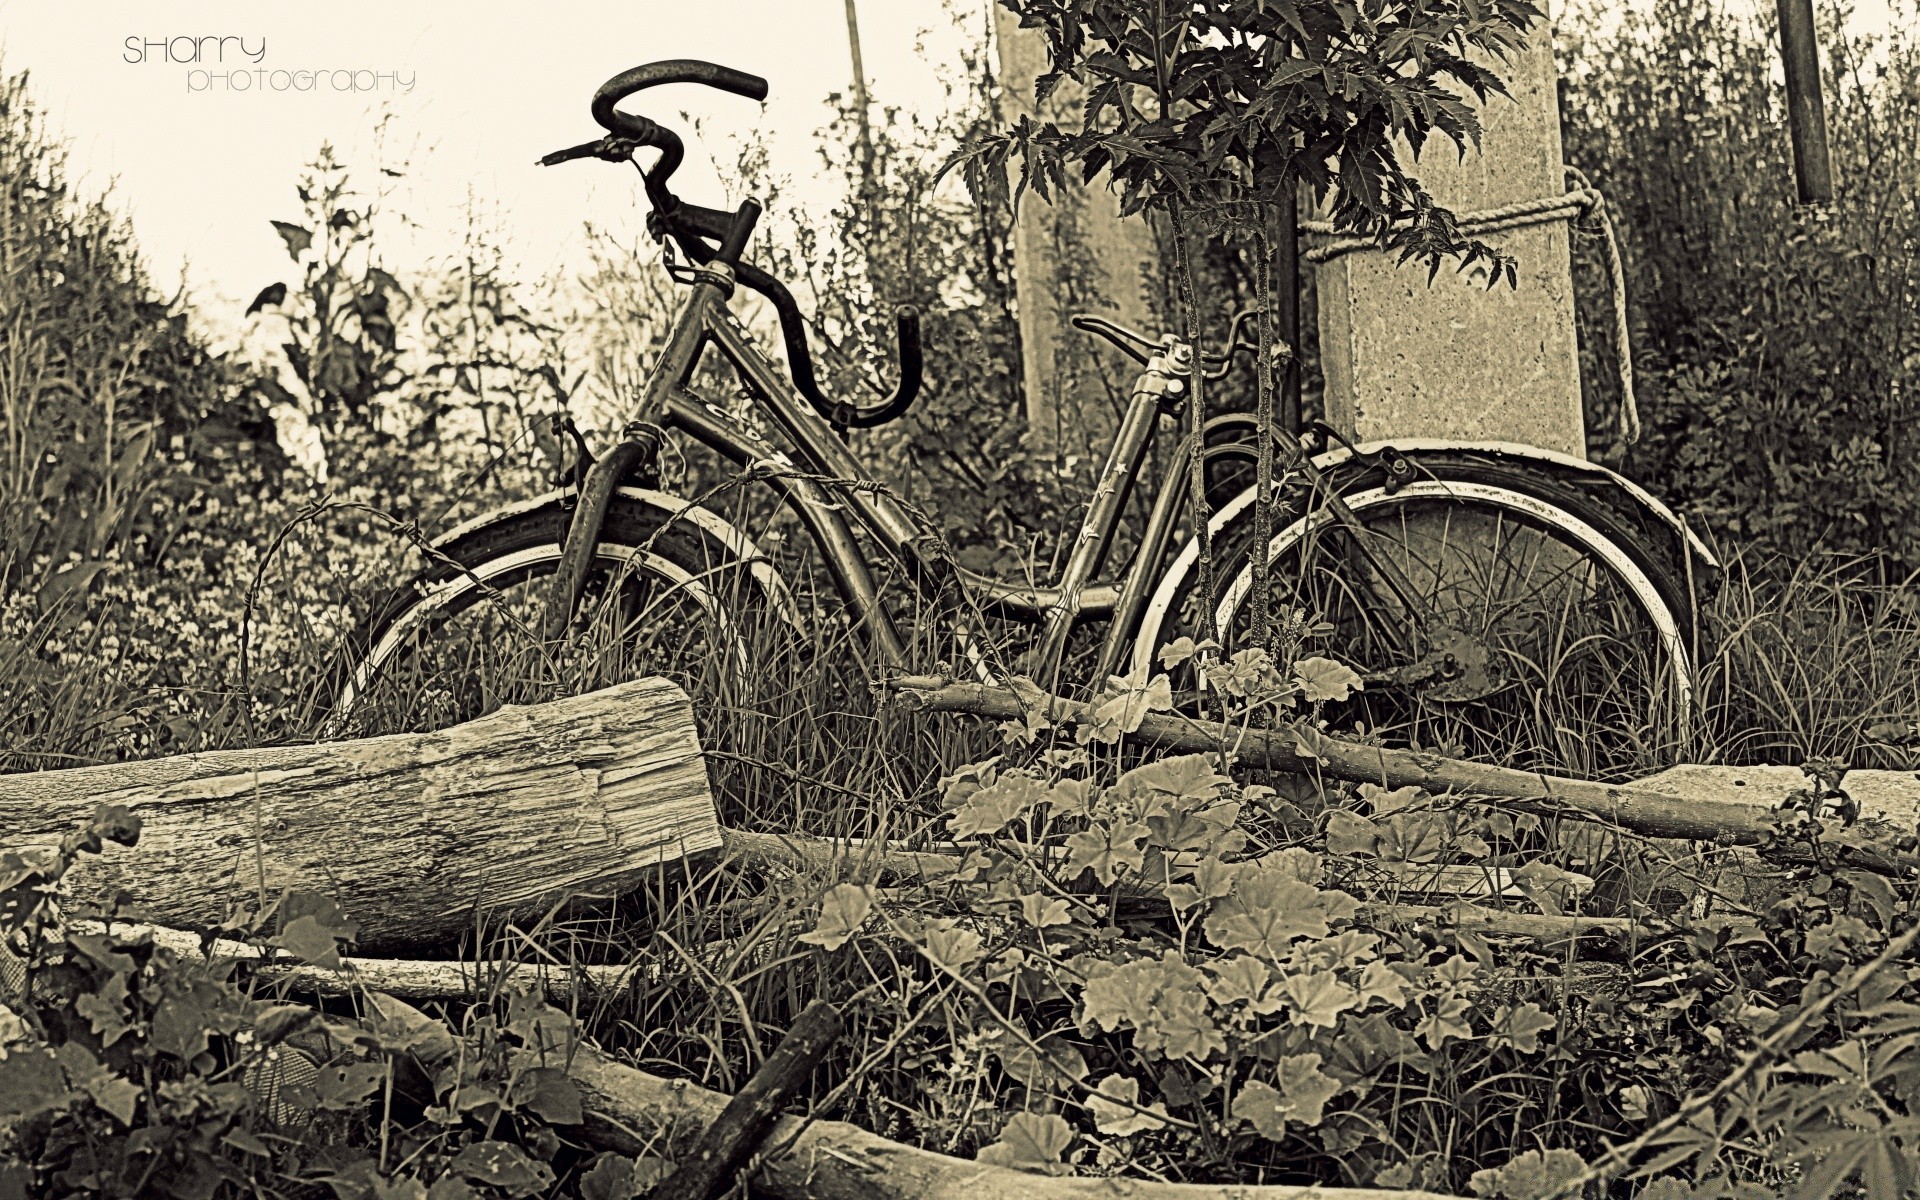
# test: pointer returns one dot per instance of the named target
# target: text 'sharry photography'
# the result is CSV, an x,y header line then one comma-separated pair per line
x,y
221,64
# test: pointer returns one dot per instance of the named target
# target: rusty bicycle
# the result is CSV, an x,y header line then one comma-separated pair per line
x,y
1471,584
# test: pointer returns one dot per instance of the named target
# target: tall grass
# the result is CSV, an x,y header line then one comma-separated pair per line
x,y
1806,657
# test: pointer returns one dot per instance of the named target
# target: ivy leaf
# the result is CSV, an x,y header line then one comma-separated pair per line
x,y
547,1093
1520,1027
843,910
1071,798
1309,742
1214,878
105,1009
1180,1026
190,1011
1238,979
967,780
1412,837
312,928
609,1178
1120,996
31,1083
992,808
1043,911
1054,1067
1117,1110
1183,897
1184,781
1318,998
404,1027
1182,648
1269,910
1301,1097
1031,1142
115,823
1106,849
107,1090
1125,703
949,944
502,1165
1322,679
348,1086
1382,801
1447,1020
1349,833
1531,1176
1381,982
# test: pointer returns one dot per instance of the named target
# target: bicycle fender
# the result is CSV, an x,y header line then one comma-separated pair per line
x,y
1645,499
671,508
1171,580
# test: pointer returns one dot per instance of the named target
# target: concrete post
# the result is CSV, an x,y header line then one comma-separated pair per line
x,y
1406,359
1076,254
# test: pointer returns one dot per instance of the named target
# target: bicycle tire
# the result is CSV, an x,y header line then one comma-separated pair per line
x,y
510,562
1627,587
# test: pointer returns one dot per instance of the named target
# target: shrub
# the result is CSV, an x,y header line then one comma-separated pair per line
x,y
1775,343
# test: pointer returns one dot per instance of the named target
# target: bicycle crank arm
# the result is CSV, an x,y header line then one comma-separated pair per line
x,y
1457,667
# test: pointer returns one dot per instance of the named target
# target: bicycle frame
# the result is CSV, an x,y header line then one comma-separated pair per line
x,y
819,490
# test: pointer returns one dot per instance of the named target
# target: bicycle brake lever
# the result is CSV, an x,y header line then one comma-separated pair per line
x,y
608,149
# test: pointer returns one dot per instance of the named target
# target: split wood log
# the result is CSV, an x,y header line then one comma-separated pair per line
x,y
411,834
711,1165
632,1112
1301,751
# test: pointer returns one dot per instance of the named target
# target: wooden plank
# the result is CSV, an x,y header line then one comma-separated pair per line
x,y
410,833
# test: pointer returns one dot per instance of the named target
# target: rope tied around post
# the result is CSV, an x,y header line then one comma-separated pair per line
x,y
1581,201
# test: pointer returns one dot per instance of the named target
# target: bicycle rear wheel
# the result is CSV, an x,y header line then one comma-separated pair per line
x,y
1545,631
663,597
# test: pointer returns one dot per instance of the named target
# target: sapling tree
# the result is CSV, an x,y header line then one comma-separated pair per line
x,y
1213,111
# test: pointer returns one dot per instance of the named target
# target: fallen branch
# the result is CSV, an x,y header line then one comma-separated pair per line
x,y
871,861
632,1112
710,1167
1304,751
417,979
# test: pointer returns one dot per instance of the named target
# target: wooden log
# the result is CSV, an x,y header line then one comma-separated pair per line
x,y
632,1112
1302,751
710,1167
410,833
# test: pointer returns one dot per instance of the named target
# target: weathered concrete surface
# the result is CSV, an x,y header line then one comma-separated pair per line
x,y
1890,795
1076,254
1739,875
1403,358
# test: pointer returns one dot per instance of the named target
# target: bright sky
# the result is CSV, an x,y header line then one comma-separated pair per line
x,y
202,166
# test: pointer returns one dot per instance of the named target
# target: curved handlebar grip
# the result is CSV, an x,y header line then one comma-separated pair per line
x,y
673,70
907,330
793,332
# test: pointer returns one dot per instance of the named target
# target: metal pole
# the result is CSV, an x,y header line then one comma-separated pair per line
x,y
1286,304
861,102
1806,108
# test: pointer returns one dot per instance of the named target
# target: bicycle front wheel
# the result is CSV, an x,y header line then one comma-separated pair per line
x,y
664,596
1494,610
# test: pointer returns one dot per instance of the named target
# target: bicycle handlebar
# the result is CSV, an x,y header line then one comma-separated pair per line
x,y
674,70
691,226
